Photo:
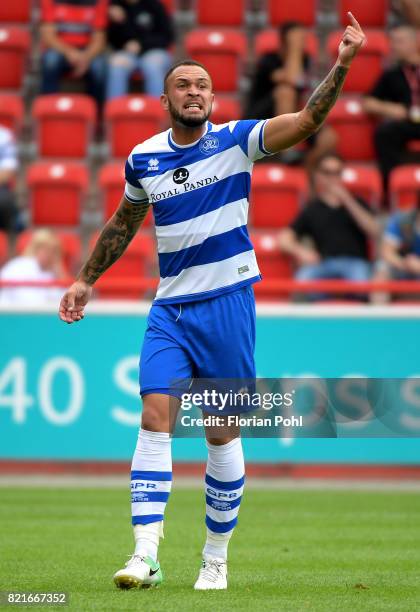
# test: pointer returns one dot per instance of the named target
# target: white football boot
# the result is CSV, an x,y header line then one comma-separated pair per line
x,y
139,572
213,575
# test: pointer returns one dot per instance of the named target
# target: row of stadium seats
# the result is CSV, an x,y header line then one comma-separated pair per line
x,y
132,274
215,48
57,191
371,13
64,124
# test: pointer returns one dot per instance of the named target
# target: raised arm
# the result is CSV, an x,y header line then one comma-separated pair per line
x,y
287,130
111,244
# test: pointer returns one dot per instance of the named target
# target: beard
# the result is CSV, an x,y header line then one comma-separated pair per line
x,y
190,122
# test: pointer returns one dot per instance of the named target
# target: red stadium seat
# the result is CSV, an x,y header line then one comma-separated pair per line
x,y
65,124
220,12
4,247
15,11
225,110
111,181
70,243
405,186
131,120
276,195
367,66
369,13
221,52
169,5
11,112
354,129
57,192
268,41
272,262
14,46
137,263
365,182
280,11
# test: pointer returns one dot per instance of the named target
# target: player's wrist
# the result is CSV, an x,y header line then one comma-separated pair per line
x,y
340,63
88,281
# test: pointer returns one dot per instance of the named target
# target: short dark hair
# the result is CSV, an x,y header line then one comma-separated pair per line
x,y
186,62
330,155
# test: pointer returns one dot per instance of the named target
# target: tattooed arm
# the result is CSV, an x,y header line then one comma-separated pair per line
x,y
111,244
287,130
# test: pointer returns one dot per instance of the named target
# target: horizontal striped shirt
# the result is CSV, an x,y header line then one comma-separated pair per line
x,y
200,198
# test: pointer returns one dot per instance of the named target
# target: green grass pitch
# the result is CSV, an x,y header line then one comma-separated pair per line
x,y
293,550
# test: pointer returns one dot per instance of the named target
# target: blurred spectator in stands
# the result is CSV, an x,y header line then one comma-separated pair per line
x,y
278,85
337,226
41,261
9,215
410,9
139,32
74,41
400,250
396,100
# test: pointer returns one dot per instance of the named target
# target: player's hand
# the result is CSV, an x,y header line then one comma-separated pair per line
x,y
352,41
73,302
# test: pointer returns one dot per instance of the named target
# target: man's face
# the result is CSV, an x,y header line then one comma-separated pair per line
x,y
328,173
403,43
47,255
189,96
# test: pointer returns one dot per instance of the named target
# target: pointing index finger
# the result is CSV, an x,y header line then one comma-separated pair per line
x,y
354,21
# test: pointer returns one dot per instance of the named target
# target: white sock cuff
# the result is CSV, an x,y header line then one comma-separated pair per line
x,y
222,448
154,436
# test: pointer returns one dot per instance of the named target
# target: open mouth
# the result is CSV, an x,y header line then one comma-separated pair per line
x,y
193,106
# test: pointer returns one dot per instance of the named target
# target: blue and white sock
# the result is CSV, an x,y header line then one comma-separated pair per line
x,y
151,480
224,483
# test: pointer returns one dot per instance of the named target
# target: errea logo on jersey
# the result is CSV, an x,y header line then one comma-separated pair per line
x,y
153,165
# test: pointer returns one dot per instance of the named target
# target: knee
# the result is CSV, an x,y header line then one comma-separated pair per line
x,y
158,59
51,60
360,272
120,60
159,411
306,273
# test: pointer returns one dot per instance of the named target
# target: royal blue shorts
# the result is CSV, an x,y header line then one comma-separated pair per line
x,y
208,339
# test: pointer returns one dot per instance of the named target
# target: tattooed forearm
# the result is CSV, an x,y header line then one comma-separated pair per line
x,y
113,240
326,94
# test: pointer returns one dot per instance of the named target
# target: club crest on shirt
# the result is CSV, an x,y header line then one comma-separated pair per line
x,y
209,144
180,175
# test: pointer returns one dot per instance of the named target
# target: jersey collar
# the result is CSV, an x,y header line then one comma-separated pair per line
x,y
177,147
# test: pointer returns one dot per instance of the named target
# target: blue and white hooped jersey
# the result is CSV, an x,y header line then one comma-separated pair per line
x,y
199,193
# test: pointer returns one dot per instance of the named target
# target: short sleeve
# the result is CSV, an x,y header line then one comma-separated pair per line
x,y
393,230
249,134
100,21
133,189
47,11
